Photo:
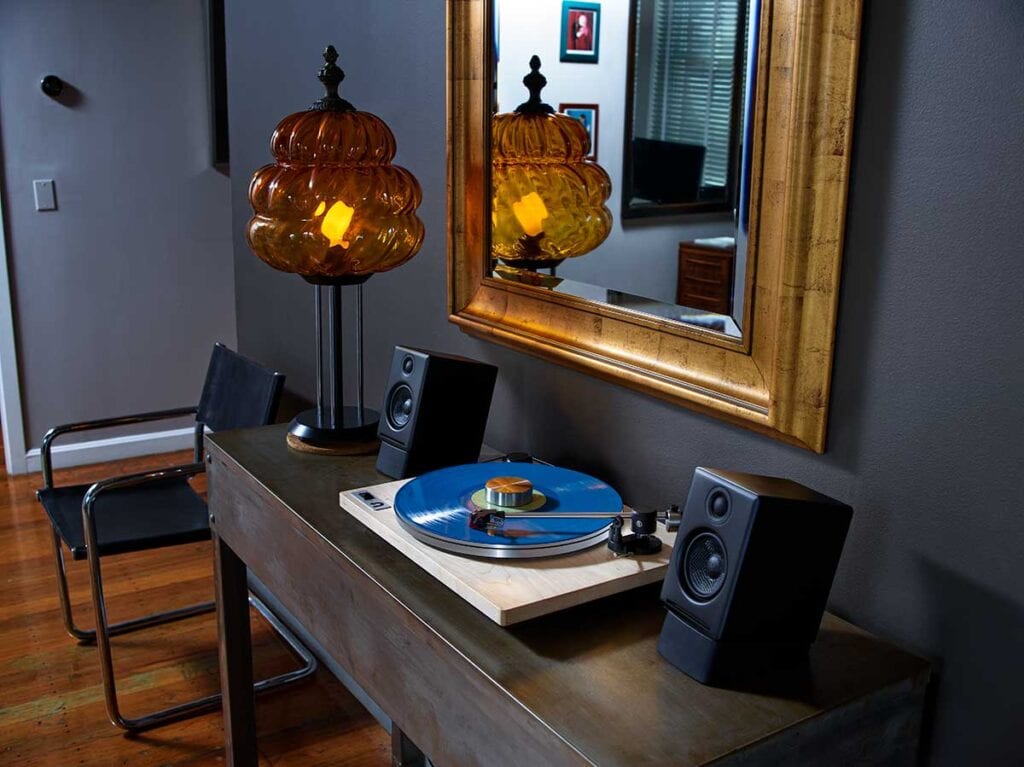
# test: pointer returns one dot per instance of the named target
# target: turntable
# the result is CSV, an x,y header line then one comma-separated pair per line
x,y
517,540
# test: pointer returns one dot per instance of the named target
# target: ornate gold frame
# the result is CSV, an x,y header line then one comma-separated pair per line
x,y
776,378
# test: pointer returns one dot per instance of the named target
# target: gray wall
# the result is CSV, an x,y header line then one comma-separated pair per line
x,y
119,294
926,415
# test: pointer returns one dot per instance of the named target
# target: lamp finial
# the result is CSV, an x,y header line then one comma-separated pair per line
x,y
534,82
331,76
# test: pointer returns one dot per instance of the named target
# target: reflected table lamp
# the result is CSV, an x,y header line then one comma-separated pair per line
x,y
549,200
333,209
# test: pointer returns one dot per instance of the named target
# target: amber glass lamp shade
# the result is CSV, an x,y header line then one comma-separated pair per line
x,y
548,200
335,210
332,207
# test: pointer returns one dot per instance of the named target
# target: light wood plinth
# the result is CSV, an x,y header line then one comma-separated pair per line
x,y
508,590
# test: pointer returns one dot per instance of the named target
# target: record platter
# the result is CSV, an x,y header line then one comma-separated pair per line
x,y
516,540
437,508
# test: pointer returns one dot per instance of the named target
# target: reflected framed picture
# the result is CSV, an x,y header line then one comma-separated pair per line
x,y
586,114
581,26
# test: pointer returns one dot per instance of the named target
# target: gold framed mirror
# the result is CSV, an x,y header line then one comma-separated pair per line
x,y
772,371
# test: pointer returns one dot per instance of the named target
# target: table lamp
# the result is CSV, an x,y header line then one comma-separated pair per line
x,y
333,209
549,201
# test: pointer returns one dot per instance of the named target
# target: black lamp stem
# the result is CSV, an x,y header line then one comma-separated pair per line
x,y
318,309
331,423
359,354
335,354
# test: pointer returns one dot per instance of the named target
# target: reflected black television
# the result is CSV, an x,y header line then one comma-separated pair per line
x,y
667,171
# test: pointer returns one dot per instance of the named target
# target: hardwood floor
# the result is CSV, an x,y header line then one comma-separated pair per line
x,y
51,696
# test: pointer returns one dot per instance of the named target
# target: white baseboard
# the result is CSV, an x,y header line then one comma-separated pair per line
x,y
114,448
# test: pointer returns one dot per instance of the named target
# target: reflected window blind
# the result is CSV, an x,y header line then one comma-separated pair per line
x,y
692,71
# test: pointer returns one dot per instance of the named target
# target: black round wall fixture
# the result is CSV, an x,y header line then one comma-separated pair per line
x,y
52,86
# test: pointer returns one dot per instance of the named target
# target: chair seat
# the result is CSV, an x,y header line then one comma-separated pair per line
x,y
150,516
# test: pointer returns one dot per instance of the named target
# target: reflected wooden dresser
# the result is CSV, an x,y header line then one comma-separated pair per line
x,y
705,276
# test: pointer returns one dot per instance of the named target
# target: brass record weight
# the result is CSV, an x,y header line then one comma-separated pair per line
x,y
508,491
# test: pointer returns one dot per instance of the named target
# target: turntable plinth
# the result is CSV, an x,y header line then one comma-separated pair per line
x,y
510,591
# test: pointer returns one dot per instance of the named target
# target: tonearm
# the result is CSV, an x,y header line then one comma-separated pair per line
x,y
643,524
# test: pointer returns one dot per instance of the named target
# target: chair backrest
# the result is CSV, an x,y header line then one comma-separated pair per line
x,y
238,392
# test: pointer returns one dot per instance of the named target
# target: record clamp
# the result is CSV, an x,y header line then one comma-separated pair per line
x,y
508,491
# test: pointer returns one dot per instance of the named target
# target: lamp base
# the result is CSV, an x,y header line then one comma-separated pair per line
x,y
355,448
351,432
532,263
526,276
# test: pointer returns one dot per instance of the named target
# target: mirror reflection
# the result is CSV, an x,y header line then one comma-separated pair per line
x,y
639,106
684,106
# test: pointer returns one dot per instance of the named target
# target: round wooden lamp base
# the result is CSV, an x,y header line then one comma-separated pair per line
x,y
350,448
355,435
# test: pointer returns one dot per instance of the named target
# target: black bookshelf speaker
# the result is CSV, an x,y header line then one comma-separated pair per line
x,y
750,574
435,412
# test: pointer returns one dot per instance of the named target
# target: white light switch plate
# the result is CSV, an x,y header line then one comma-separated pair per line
x,y
45,198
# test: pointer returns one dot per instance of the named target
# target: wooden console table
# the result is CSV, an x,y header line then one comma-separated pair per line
x,y
581,687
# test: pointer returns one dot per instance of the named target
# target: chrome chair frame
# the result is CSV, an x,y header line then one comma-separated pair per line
x,y
103,632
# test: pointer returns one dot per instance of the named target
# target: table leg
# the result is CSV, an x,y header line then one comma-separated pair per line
x,y
404,752
234,648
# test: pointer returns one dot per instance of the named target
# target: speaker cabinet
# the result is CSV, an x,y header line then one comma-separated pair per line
x,y
750,574
435,412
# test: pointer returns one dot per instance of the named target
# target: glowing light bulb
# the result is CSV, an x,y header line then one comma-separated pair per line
x,y
530,212
336,222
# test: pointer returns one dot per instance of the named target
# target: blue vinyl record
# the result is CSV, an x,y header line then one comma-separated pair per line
x,y
436,508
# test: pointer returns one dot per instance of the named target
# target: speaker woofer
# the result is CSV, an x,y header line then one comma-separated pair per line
x,y
704,566
399,407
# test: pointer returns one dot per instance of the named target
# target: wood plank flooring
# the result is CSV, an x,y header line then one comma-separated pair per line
x,y
51,696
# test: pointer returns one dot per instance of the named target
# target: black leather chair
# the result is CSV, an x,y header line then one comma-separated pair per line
x,y
154,509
